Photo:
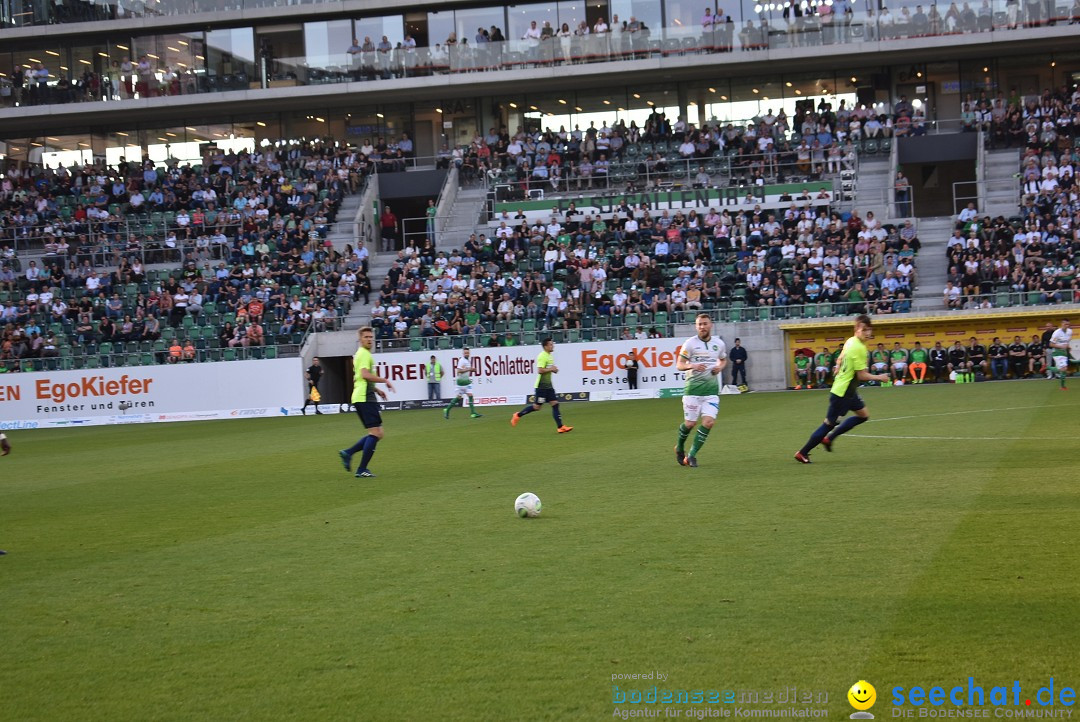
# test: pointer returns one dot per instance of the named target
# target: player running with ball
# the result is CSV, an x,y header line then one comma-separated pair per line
x,y
844,395
703,358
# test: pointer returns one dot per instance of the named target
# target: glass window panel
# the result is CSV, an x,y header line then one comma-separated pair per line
x,y
392,26
468,22
441,25
326,45
230,59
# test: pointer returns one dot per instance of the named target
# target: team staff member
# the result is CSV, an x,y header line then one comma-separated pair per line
x,y
737,358
1037,356
999,359
977,356
1018,358
844,395
545,391
959,363
434,373
313,373
939,362
631,368
1048,360
365,398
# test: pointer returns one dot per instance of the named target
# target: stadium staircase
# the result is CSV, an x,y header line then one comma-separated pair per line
x,y
932,264
343,232
872,185
1001,192
465,219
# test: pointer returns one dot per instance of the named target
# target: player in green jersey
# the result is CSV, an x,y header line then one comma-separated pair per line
x,y
844,395
822,366
1059,350
898,362
463,369
802,370
702,358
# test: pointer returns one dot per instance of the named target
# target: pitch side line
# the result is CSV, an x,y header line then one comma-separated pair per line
x,y
972,411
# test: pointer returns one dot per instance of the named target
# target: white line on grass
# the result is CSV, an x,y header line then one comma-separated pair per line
x,y
971,411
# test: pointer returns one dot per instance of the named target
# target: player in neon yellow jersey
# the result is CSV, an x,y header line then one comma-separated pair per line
x,y
844,395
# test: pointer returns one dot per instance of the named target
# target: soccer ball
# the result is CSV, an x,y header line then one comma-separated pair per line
x,y
898,382
527,505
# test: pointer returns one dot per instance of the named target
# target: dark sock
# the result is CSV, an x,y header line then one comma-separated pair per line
x,y
815,439
472,409
848,424
450,405
359,445
369,451
557,415
684,433
527,410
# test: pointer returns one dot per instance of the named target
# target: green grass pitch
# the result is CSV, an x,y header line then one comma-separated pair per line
x,y
234,571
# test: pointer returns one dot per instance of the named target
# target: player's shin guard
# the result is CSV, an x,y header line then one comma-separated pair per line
x,y
684,434
557,415
369,451
849,423
815,438
699,439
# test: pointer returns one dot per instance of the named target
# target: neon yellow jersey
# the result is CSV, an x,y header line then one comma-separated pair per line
x,y
362,390
544,360
852,360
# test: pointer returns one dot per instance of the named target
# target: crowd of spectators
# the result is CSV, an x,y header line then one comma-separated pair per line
x,y
245,240
1031,257
772,148
571,268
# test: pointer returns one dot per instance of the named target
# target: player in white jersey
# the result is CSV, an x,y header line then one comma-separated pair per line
x,y
463,384
702,358
1059,350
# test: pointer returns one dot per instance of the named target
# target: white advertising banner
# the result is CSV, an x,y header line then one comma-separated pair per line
x,y
140,394
504,375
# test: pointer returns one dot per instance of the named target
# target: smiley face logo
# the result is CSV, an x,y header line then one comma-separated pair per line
x,y
862,695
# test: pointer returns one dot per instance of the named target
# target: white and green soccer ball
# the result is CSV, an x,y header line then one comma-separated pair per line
x,y
527,505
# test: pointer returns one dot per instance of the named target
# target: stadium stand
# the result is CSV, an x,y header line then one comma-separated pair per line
x,y
228,258
1030,258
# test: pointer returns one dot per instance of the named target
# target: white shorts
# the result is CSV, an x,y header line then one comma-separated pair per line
x,y
879,366
822,368
1061,362
900,365
695,407
463,390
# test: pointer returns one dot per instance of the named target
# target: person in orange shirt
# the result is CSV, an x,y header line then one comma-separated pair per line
x,y
176,351
189,351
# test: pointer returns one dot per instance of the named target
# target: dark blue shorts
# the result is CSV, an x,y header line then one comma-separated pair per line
x,y
545,394
368,411
840,405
